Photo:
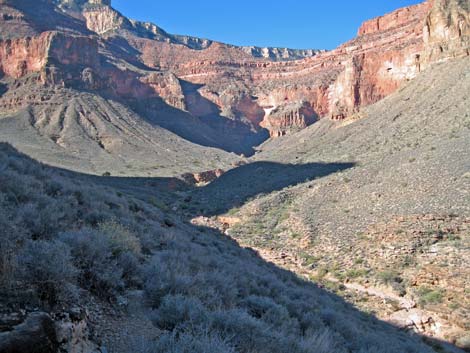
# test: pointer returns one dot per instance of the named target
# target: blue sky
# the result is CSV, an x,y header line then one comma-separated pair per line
x,y
287,23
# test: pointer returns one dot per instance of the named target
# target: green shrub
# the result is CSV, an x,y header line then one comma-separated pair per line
x,y
356,273
430,296
389,277
121,239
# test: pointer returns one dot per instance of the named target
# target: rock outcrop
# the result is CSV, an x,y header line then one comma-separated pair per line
x,y
447,30
167,86
104,19
288,118
40,332
203,177
23,56
81,3
19,57
280,54
35,334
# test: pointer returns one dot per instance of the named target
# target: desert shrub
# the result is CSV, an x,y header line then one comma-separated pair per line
x,y
269,311
18,188
8,261
192,343
322,341
41,220
191,270
121,239
310,322
53,188
356,273
389,277
96,216
8,240
177,311
166,273
93,256
47,267
390,346
248,334
131,269
210,294
137,343
251,305
430,296
151,240
108,258
216,288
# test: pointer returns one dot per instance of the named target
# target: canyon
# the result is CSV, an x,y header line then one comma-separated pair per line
x,y
249,89
283,199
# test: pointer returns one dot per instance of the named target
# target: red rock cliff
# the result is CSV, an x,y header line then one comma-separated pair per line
x,y
211,78
387,52
19,57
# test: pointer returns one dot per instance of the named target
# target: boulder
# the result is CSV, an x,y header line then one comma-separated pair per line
x,y
40,332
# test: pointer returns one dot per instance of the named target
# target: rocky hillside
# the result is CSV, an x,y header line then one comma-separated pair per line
x,y
106,266
390,230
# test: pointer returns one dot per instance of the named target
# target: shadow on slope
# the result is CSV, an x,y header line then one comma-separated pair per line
x,y
3,88
238,185
121,46
233,134
210,131
205,290
42,16
237,131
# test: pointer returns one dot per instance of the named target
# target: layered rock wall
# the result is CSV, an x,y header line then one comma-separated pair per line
x,y
104,19
394,19
288,118
20,57
387,52
447,30
167,86
73,51
208,79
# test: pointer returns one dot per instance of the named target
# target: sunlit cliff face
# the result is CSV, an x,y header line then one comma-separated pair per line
x,y
236,84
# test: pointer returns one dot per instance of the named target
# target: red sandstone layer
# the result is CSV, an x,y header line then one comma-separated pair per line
x,y
222,79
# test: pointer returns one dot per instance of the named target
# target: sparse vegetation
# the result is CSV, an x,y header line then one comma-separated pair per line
x,y
389,277
356,273
206,293
430,296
